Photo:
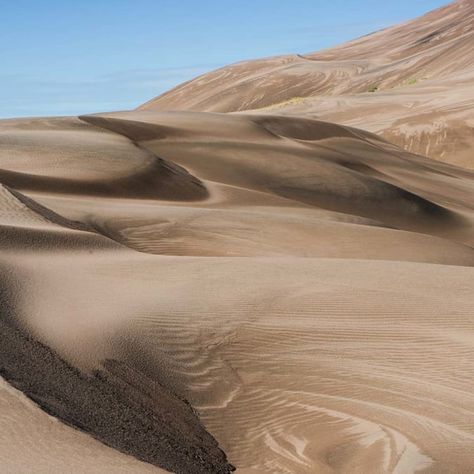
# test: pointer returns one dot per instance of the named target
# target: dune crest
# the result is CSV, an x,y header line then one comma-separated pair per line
x,y
412,84
306,286
241,274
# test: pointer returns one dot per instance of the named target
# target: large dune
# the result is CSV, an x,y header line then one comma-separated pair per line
x,y
241,275
412,83
299,292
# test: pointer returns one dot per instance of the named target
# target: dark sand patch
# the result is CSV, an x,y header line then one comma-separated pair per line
x,y
115,404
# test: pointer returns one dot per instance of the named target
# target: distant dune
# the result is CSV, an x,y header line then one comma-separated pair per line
x,y
195,291
413,84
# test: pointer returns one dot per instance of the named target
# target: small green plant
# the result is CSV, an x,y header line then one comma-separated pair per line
x,y
412,82
373,88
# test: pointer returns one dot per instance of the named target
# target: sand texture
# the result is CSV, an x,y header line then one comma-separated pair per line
x,y
306,289
241,274
413,84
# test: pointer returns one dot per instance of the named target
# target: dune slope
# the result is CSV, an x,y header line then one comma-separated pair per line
x,y
176,285
412,83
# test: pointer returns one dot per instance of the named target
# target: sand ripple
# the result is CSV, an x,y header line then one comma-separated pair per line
x,y
307,288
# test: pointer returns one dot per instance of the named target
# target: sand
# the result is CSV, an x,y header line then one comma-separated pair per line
x,y
195,290
307,289
32,441
411,83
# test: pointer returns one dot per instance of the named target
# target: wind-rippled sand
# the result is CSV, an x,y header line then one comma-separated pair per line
x,y
307,288
411,83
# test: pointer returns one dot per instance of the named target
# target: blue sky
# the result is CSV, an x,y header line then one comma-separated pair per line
x,y
69,57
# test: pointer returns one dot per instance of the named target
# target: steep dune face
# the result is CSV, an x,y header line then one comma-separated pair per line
x,y
66,155
306,287
413,84
81,383
311,163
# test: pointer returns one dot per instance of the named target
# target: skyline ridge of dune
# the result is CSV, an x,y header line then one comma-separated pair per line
x,y
414,81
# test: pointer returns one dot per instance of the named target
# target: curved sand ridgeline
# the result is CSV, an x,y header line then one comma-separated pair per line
x,y
314,306
69,156
411,83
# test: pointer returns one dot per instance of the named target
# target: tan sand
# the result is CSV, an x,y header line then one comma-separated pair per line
x,y
412,83
307,287
190,290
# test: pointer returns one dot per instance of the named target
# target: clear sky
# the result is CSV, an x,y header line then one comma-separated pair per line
x,y
65,57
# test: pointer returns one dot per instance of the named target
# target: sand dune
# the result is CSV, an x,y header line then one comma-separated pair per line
x,y
412,83
70,154
306,287
191,290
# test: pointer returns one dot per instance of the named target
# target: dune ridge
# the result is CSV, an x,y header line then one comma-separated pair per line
x,y
312,302
241,282
411,83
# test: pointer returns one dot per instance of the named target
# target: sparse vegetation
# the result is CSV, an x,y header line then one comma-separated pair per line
x,y
293,101
373,88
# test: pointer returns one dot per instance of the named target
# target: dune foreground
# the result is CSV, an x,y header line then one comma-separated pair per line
x,y
295,294
220,280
